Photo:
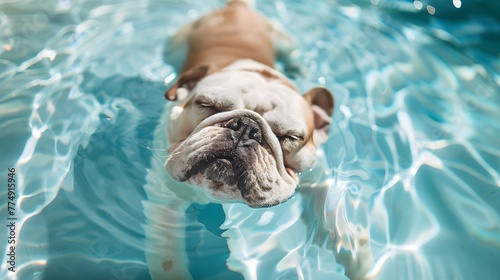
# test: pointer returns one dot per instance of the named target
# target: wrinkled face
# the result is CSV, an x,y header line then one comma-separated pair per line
x,y
242,138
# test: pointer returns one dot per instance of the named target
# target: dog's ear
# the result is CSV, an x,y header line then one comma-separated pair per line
x,y
322,103
188,80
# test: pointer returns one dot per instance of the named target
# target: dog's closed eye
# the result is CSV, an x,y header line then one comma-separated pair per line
x,y
211,105
290,137
206,105
289,142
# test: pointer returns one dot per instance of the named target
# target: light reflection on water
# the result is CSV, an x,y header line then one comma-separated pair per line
x,y
413,150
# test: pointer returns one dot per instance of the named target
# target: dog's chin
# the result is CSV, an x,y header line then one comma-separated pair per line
x,y
218,170
232,176
232,179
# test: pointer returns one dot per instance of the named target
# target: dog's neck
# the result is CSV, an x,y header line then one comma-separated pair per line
x,y
231,35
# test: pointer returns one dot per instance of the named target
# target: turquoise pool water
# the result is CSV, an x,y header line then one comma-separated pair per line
x,y
414,151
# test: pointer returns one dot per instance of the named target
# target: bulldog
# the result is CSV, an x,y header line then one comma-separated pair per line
x,y
242,130
237,130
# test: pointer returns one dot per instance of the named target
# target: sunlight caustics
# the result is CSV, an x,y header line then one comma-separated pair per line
x,y
413,179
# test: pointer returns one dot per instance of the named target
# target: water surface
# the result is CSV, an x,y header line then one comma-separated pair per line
x,y
413,154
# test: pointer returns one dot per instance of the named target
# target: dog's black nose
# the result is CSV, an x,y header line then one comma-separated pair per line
x,y
244,129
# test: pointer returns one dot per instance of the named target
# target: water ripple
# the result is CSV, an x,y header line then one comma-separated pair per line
x,y
413,188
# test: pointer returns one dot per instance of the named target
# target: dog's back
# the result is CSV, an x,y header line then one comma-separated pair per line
x,y
233,32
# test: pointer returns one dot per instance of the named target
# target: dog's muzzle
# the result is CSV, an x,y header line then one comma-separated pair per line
x,y
235,155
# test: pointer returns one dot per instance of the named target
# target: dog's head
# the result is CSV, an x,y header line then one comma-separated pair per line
x,y
244,135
